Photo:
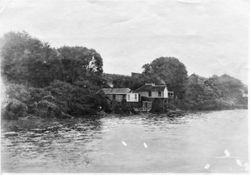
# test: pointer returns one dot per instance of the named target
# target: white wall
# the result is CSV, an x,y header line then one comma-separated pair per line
x,y
165,93
154,94
132,97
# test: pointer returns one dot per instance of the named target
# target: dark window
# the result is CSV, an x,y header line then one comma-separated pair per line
x,y
159,93
149,93
113,96
135,96
123,96
170,94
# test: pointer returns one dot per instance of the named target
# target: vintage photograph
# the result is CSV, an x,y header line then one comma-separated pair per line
x,y
124,86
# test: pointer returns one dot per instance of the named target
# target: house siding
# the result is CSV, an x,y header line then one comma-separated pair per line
x,y
132,97
143,94
155,94
118,97
165,93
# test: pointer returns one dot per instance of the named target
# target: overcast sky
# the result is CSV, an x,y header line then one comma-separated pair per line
x,y
208,36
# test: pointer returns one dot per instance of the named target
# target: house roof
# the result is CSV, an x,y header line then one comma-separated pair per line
x,y
116,90
150,87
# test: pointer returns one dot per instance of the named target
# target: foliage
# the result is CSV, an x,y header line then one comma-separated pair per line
x,y
75,100
29,61
79,62
217,92
25,60
121,81
64,79
14,109
18,92
47,109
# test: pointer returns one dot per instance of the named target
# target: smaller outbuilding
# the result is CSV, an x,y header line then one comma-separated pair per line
x,y
119,94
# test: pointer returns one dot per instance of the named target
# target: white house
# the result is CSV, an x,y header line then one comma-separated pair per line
x,y
151,90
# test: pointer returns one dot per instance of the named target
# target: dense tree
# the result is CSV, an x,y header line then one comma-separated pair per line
x,y
167,70
227,87
198,95
217,92
27,60
79,62
120,81
58,81
75,100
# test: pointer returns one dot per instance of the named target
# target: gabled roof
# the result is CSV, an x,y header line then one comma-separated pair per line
x,y
116,90
148,87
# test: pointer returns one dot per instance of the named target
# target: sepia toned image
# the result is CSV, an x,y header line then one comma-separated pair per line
x,y
124,86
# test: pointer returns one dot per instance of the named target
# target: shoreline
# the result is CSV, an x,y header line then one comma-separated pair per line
x,y
30,123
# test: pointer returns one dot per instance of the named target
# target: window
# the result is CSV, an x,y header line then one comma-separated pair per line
x,y
149,93
135,96
128,97
124,96
159,93
171,94
113,96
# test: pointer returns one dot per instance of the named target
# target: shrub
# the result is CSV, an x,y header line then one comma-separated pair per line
x,y
18,92
14,109
75,100
48,109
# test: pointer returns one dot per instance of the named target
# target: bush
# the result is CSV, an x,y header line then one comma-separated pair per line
x,y
214,93
14,109
74,100
48,109
100,103
18,92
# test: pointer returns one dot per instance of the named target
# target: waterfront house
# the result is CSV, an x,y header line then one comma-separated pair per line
x,y
150,90
143,97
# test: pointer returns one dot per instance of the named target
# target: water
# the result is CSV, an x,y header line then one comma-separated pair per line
x,y
142,143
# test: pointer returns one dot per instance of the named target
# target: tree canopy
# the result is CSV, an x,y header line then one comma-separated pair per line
x,y
216,92
29,61
62,81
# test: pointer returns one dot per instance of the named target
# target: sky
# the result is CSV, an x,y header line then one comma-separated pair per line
x,y
208,36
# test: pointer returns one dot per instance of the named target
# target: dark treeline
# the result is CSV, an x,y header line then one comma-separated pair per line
x,y
45,81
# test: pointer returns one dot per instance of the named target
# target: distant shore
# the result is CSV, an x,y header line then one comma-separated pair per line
x,y
49,82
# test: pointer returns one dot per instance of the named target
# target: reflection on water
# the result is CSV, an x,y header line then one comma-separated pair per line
x,y
140,143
